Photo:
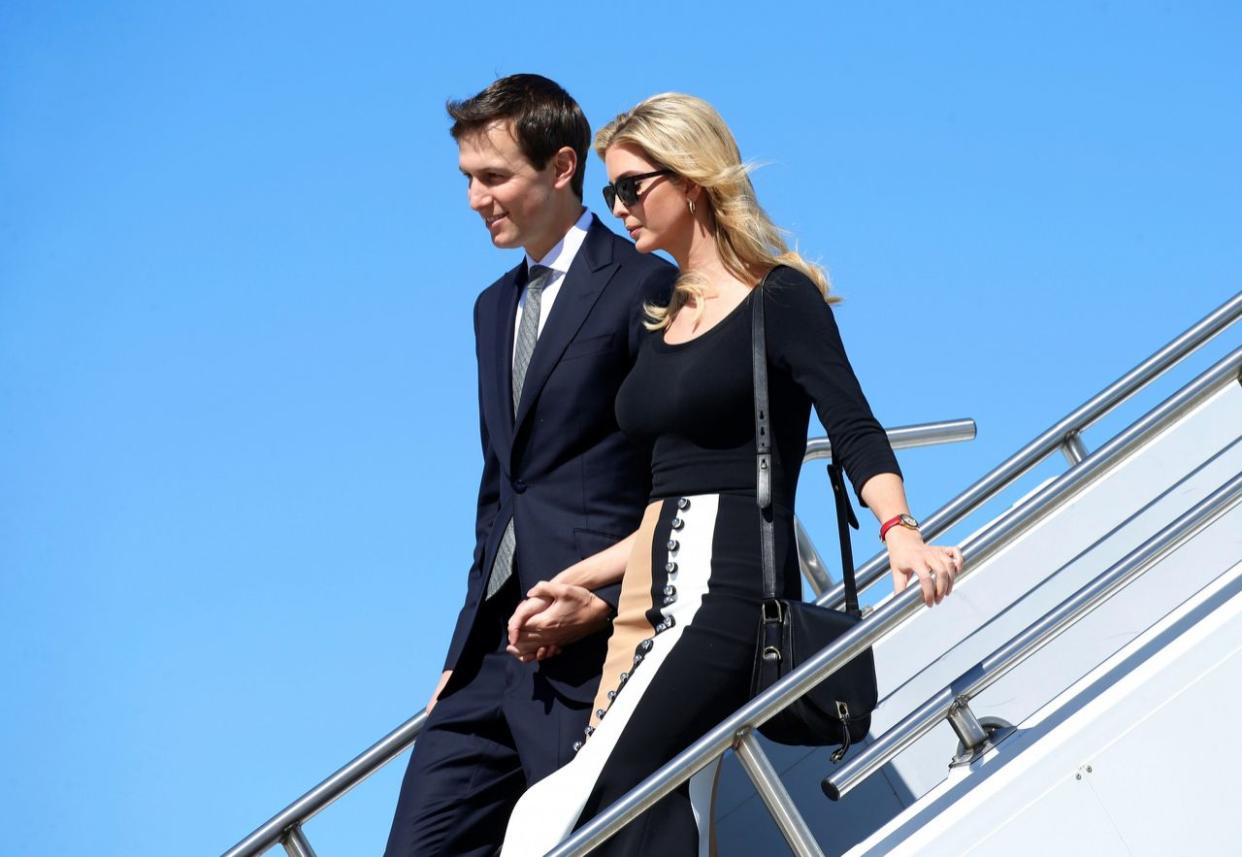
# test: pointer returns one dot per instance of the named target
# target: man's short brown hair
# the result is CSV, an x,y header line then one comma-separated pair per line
x,y
543,115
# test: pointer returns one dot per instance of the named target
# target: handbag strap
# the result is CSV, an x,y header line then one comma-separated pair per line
x,y
763,443
845,520
763,472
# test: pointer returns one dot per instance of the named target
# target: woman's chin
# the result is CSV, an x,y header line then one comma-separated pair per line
x,y
643,242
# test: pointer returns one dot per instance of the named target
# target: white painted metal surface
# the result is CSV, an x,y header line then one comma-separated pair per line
x,y
1132,759
1171,473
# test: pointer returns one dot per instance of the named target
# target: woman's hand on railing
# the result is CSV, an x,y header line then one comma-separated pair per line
x,y
908,555
934,566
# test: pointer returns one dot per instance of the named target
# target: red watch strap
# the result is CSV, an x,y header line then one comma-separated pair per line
x,y
888,525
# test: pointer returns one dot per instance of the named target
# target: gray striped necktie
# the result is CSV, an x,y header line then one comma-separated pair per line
x,y
527,333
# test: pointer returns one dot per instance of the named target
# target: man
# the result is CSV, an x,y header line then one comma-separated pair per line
x,y
555,337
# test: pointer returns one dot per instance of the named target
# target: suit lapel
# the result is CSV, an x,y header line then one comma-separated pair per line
x,y
584,282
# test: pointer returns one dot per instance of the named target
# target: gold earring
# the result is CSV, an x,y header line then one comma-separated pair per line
x,y
690,202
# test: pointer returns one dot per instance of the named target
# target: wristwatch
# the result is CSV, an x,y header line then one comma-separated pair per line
x,y
902,521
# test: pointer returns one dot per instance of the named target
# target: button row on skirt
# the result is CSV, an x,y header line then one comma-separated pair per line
x,y
666,622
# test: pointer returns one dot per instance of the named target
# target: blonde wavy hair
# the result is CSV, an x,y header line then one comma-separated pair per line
x,y
685,134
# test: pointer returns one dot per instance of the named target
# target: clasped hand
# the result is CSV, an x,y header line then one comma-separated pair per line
x,y
552,616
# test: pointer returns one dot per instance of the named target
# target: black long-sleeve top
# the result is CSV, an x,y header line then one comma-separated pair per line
x,y
693,401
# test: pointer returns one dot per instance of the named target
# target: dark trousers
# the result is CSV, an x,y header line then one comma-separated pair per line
x,y
498,728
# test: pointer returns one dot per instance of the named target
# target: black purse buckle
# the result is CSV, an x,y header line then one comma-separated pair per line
x,y
773,612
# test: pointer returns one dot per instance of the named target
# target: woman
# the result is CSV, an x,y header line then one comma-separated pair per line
x,y
680,657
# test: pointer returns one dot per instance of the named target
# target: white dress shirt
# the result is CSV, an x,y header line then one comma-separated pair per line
x,y
559,258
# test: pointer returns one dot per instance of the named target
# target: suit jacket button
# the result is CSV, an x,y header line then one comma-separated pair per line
x,y
518,485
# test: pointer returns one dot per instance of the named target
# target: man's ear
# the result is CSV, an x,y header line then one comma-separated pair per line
x,y
564,165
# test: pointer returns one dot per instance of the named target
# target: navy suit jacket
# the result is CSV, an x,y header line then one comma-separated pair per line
x,y
561,469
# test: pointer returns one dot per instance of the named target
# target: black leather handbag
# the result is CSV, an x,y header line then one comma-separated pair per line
x,y
838,710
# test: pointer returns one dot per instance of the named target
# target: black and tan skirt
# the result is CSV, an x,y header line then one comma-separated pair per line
x,y
679,662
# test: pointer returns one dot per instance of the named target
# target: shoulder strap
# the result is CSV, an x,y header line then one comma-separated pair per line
x,y
763,472
763,444
845,520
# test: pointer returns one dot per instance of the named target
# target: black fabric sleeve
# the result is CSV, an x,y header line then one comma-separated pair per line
x,y
488,503
610,595
803,341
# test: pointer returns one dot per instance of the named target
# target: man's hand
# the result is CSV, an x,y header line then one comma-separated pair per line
x,y
520,645
554,615
435,694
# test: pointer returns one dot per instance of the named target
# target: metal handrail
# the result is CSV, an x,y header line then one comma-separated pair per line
x,y
1062,434
1031,639
902,437
976,550
285,827
1065,431
809,560
740,724
905,437
291,818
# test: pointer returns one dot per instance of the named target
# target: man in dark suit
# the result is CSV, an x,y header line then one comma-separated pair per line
x,y
561,486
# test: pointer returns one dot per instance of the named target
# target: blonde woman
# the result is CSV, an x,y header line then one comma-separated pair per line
x,y
680,656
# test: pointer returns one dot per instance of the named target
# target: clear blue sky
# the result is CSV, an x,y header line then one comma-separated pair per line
x,y
238,440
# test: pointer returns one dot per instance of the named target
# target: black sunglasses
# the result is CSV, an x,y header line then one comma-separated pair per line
x,y
626,188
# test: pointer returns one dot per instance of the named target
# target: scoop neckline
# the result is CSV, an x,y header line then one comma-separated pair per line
x,y
673,346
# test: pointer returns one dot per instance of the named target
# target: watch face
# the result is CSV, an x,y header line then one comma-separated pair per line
x,y
908,521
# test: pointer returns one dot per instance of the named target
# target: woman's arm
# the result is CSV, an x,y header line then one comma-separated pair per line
x,y
806,343
908,555
601,569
